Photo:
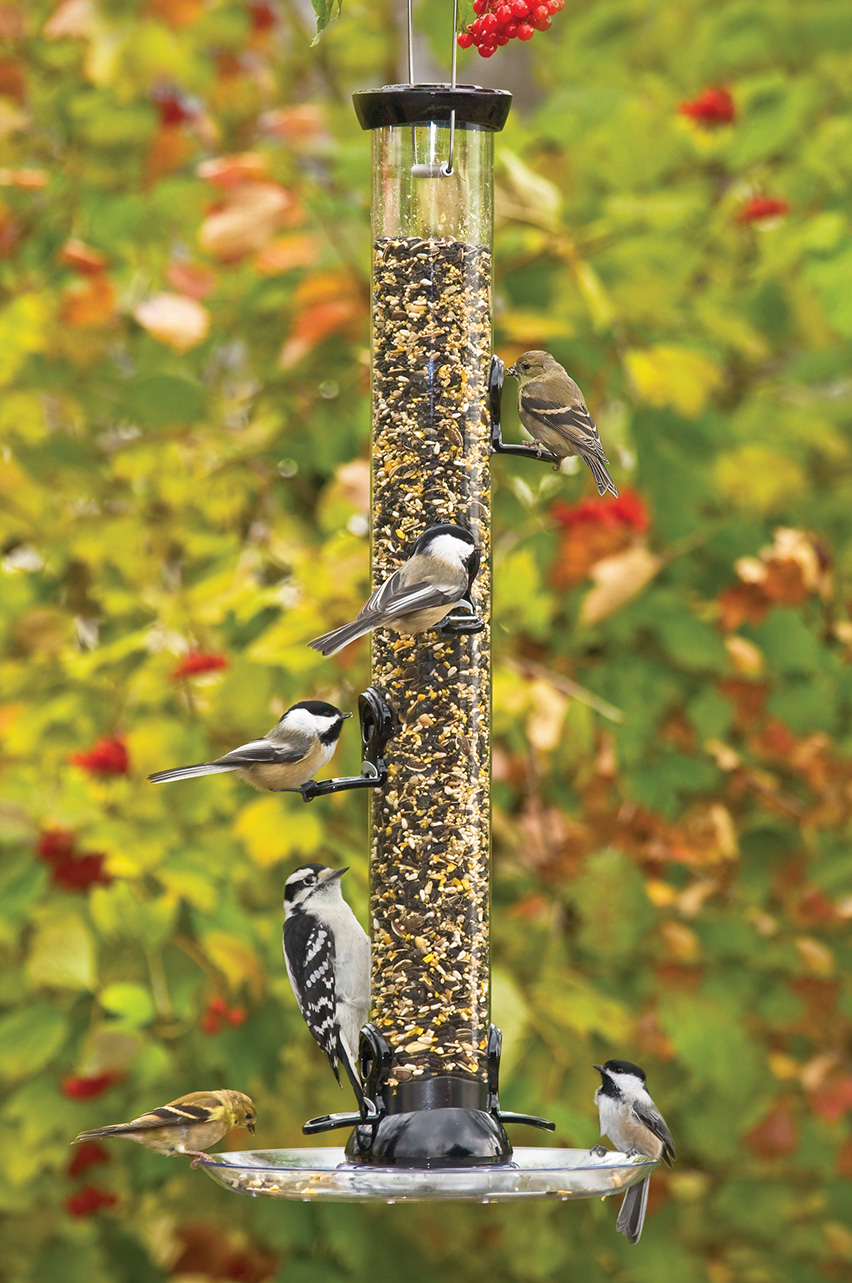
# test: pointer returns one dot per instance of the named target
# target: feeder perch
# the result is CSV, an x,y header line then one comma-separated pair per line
x,y
431,1125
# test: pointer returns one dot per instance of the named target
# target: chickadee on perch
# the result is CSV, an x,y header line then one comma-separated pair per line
x,y
633,1123
188,1125
439,573
552,409
286,757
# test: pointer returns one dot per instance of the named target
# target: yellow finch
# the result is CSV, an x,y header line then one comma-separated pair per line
x,y
552,409
188,1125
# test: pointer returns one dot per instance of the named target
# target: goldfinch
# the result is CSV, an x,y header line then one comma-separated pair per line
x,y
552,409
188,1125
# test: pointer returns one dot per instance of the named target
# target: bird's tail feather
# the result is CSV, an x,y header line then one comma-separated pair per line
x,y
115,1129
602,478
186,772
351,1072
331,643
631,1215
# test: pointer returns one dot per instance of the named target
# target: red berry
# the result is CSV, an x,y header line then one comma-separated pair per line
x,y
217,1006
553,6
503,14
520,8
480,6
237,1016
538,12
464,40
542,24
525,31
488,24
501,38
210,1024
511,29
487,51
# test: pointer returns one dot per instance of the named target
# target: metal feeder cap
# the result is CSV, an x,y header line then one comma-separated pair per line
x,y
475,107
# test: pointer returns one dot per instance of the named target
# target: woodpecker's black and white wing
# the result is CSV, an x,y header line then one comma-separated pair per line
x,y
291,749
309,956
649,1116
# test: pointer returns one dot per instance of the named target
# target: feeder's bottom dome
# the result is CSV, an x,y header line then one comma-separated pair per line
x,y
327,1174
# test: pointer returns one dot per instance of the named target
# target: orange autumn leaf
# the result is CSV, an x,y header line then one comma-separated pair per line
x,y
92,305
169,150
180,322
191,279
177,13
82,258
777,1135
300,249
832,1099
231,171
333,302
34,179
251,215
297,123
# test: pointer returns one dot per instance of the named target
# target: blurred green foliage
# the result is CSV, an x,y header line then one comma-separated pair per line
x,y
184,361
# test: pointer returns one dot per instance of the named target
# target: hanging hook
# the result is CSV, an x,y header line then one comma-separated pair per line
x,y
445,169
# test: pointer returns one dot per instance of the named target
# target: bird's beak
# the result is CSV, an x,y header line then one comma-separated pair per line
x,y
250,1127
345,716
599,1068
334,875
511,370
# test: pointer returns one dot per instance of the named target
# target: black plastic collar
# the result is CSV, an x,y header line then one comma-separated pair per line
x,y
475,108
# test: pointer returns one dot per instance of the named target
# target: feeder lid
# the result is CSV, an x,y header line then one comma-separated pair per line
x,y
475,107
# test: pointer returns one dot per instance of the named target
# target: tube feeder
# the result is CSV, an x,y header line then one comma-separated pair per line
x,y
431,1126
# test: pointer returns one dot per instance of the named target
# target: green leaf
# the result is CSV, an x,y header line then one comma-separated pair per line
x,y
324,9
62,953
131,1005
30,1039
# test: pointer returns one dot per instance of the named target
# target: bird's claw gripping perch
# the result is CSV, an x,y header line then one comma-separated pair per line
x,y
498,445
379,722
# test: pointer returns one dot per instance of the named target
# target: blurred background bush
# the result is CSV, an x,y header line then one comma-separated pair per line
x,y
184,231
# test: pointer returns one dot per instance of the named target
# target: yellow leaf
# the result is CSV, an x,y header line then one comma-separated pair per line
x,y
237,961
270,829
23,330
675,376
618,579
596,298
62,954
759,479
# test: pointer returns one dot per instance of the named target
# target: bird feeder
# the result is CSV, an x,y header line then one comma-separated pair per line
x,y
431,1126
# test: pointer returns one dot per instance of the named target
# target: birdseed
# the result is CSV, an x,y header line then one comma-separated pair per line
x,y
431,824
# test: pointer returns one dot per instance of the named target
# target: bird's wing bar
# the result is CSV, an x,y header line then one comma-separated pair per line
x,y
572,419
651,1118
309,955
262,750
169,1116
395,598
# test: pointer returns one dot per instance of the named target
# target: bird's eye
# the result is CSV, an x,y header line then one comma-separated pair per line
x,y
525,366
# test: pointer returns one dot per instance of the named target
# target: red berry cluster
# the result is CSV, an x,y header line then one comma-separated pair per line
x,y
70,869
107,757
198,661
217,1011
499,21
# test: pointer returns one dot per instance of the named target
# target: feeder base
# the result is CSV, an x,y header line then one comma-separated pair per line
x,y
431,1138
328,1174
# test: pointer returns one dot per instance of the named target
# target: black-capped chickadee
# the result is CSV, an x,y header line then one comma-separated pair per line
x,y
552,409
327,953
438,574
633,1123
284,758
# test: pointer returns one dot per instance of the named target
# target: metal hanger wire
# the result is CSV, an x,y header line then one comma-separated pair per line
x,y
444,170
